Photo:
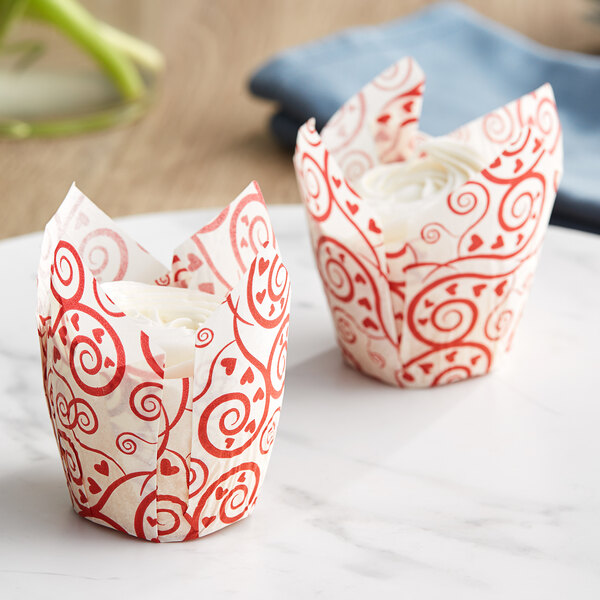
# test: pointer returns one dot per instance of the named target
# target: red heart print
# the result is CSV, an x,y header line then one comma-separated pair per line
x,y
93,487
359,278
272,310
518,164
476,241
220,492
477,289
408,105
259,395
194,263
408,377
108,362
263,263
475,359
383,118
519,238
498,243
62,332
56,354
251,427
369,324
152,521
496,163
207,286
245,220
242,478
102,467
247,377
337,182
451,356
423,321
166,468
428,303
82,497
365,302
229,364
499,289
206,521
373,226
426,367
244,243
537,145
353,208
260,296
229,442
75,321
451,289
98,334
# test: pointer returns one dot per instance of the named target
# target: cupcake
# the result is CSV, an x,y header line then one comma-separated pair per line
x,y
427,246
164,385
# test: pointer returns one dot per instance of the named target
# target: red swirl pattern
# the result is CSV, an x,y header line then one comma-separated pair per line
x,y
163,459
443,303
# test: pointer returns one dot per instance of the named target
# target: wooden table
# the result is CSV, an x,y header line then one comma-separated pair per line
x,y
206,138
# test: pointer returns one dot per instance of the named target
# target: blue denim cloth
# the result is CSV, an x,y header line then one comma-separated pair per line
x,y
472,66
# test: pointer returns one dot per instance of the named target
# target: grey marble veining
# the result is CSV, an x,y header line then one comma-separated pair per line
x,y
484,489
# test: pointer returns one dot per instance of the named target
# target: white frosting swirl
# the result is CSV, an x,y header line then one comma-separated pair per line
x,y
169,315
439,167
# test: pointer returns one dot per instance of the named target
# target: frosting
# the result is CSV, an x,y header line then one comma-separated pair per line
x,y
170,315
439,166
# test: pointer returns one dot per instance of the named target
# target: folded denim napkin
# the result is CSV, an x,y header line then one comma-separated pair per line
x,y
473,65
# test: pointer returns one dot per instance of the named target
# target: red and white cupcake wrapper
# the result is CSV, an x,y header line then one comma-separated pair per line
x,y
163,459
443,304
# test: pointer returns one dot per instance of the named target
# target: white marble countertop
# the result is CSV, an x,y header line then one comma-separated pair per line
x,y
483,489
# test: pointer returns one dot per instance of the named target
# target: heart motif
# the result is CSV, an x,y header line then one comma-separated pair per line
x,y
476,242
152,521
428,303
220,492
102,467
383,118
75,321
56,354
477,289
408,377
98,334
496,163
451,289
359,278
408,105
353,208
365,302
369,324
272,310
251,427
263,264
245,220
247,377
518,164
260,296
207,286
337,182
166,468
373,226
206,521
498,243
242,478
451,356
93,487
62,332
426,367
423,321
499,289
108,362
537,145
259,395
519,238
229,442
194,263
475,359
82,497
229,364
244,243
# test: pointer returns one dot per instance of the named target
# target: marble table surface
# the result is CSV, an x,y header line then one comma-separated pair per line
x,y
482,489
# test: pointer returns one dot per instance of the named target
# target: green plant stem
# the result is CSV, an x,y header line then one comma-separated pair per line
x,y
76,23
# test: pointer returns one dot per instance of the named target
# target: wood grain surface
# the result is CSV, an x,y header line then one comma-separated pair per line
x,y
206,137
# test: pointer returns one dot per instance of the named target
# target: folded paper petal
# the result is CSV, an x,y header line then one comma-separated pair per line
x,y
162,459
444,303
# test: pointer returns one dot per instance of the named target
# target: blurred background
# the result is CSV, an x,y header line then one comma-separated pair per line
x,y
206,137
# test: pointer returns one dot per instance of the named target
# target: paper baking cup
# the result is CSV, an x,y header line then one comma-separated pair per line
x,y
163,459
441,304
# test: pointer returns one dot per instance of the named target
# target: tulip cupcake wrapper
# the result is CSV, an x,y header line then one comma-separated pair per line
x,y
443,303
163,459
